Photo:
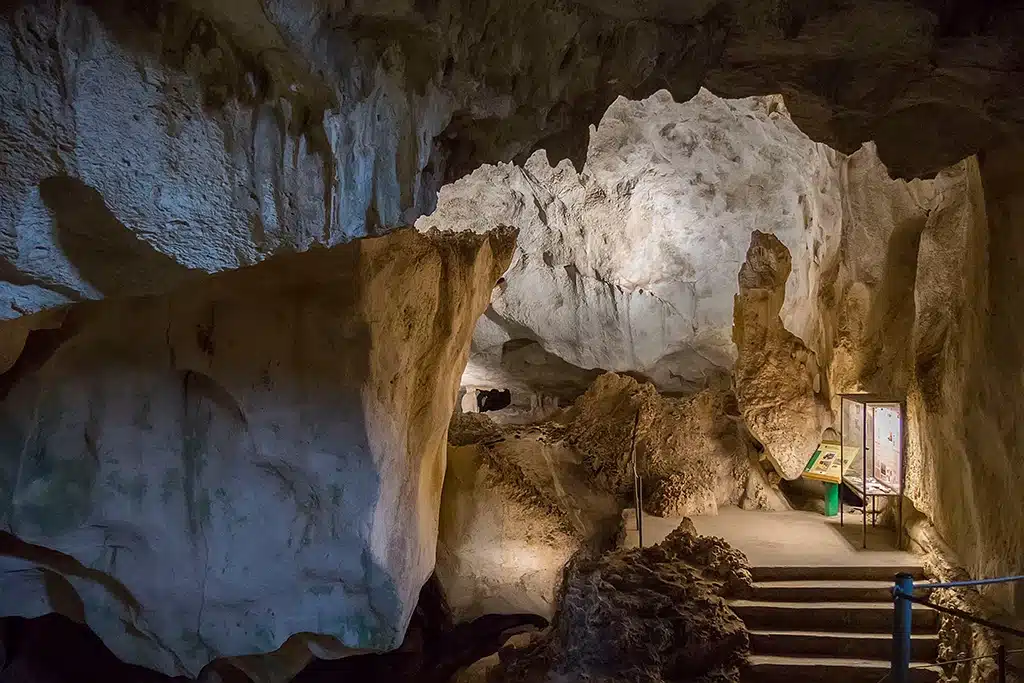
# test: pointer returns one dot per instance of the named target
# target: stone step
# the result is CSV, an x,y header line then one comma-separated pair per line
x,y
764,573
856,617
771,669
821,591
924,647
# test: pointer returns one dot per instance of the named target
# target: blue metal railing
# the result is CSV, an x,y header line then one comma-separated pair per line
x,y
903,602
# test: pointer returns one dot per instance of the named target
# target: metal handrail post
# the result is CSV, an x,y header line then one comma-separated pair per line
x,y
1002,664
638,485
902,622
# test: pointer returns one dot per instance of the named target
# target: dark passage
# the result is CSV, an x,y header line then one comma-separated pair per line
x,y
493,399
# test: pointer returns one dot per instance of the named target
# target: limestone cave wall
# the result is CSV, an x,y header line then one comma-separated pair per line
x,y
248,463
883,285
630,265
215,133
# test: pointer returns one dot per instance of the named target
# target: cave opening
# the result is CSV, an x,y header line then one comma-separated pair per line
x,y
493,399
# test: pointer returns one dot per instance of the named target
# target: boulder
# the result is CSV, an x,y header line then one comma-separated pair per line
x,y
658,614
249,464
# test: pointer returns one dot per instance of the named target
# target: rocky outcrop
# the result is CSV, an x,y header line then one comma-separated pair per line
x,y
657,612
693,453
972,648
206,135
520,501
252,463
908,314
434,649
777,379
517,504
630,265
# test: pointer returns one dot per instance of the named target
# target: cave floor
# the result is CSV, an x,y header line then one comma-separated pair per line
x,y
791,538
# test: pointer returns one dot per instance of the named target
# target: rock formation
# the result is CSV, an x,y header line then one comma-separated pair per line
x,y
433,649
657,612
630,265
206,135
251,459
519,501
778,382
693,453
146,147
516,505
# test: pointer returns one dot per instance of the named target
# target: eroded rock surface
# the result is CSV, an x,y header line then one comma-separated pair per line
x,y
658,614
517,503
693,453
777,379
253,459
630,265
520,501
200,135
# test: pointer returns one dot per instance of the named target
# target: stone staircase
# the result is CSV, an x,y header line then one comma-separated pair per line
x,y
829,625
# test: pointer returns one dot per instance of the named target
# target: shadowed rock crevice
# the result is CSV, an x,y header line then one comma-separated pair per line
x,y
107,254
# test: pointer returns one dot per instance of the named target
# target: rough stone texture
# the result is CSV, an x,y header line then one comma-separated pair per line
x,y
777,379
252,459
480,671
516,505
519,501
909,316
434,649
202,135
692,452
657,612
630,265
470,428
969,645
977,518
922,306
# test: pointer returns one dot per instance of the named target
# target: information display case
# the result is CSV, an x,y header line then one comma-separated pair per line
x,y
872,463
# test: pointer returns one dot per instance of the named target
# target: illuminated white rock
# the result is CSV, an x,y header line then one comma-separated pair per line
x,y
631,264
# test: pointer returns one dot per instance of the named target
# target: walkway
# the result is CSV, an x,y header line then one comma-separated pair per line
x,y
792,538
820,609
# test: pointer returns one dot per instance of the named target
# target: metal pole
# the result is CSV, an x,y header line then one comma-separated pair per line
x,y
864,468
902,621
842,462
1002,664
637,486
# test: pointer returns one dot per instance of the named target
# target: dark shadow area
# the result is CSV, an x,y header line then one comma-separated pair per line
x,y
493,399
10,273
434,648
40,345
544,372
105,252
55,649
